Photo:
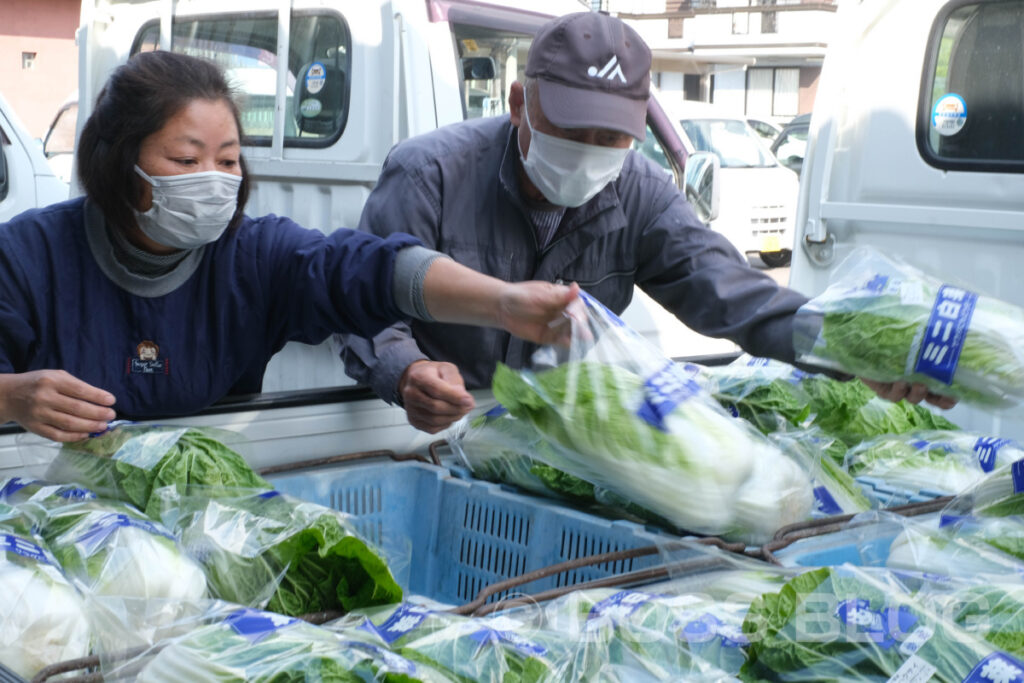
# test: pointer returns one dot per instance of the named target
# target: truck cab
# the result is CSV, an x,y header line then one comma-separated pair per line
x,y
26,179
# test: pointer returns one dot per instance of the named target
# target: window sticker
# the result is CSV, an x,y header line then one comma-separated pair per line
x,y
949,114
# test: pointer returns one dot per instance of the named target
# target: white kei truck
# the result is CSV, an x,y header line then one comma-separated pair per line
x,y
879,171
26,179
358,77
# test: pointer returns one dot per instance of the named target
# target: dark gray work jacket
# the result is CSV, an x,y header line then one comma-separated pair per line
x,y
456,189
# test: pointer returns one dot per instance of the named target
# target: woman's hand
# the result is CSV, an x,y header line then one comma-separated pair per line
x,y
536,311
531,310
913,393
54,404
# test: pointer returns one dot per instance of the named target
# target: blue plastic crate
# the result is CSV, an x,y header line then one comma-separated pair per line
x,y
889,496
464,535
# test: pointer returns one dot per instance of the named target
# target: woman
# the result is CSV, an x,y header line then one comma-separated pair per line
x,y
156,295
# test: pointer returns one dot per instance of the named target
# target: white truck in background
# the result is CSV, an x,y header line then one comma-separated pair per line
x,y
26,179
358,78
916,148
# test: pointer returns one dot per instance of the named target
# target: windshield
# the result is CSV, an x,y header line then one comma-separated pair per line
x,y
735,144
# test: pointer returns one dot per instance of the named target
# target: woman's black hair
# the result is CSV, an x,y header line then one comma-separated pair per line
x,y
137,101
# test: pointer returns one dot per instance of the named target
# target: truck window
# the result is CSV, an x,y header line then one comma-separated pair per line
x,y
245,45
485,90
971,112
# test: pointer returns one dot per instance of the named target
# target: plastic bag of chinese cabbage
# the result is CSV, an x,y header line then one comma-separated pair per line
x,y
499,447
835,491
674,636
110,548
938,461
625,418
773,396
962,546
882,319
17,490
499,649
264,549
865,624
43,620
130,461
223,642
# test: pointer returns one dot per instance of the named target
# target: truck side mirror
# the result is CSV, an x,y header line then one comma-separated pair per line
x,y
478,68
703,183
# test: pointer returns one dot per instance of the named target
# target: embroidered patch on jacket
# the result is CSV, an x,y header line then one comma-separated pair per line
x,y
147,360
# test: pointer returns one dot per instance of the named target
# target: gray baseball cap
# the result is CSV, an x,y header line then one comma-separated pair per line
x,y
593,71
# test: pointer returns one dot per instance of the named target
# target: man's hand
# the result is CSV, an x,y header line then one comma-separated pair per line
x,y
536,311
434,395
54,404
913,393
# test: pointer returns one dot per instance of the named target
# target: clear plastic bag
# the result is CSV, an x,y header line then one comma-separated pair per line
x,y
941,462
219,642
621,416
110,548
43,620
131,460
491,649
884,320
835,491
264,549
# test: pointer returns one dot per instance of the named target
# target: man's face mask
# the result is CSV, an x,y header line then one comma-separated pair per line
x,y
189,210
569,173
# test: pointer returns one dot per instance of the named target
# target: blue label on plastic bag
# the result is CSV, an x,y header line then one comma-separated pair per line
x,y
876,285
593,303
949,520
619,606
95,535
987,448
757,362
1017,475
733,410
885,627
663,391
824,502
518,642
19,546
496,411
402,620
14,485
708,627
269,494
255,625
946,332
394,663
997,668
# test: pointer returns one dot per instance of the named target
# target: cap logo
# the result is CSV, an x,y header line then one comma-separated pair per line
x,y
610,71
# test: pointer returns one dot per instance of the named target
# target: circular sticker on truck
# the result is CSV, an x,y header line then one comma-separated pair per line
x,y
310,107
316,76
949,114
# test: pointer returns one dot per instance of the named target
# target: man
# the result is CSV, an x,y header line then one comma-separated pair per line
x,y
553,192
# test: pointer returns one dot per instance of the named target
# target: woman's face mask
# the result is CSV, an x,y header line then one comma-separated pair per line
x,y
189,210
569,173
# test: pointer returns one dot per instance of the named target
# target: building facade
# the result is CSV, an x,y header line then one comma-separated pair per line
x,y
759,58
38,58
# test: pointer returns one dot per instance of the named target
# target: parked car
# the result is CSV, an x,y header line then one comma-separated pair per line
x,y
26,179
790,146
757,202
768,130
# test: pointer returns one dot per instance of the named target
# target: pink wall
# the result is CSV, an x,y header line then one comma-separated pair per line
x,y
46,27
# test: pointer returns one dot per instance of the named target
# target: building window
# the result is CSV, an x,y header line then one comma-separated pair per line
x,y
28,60
773,92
